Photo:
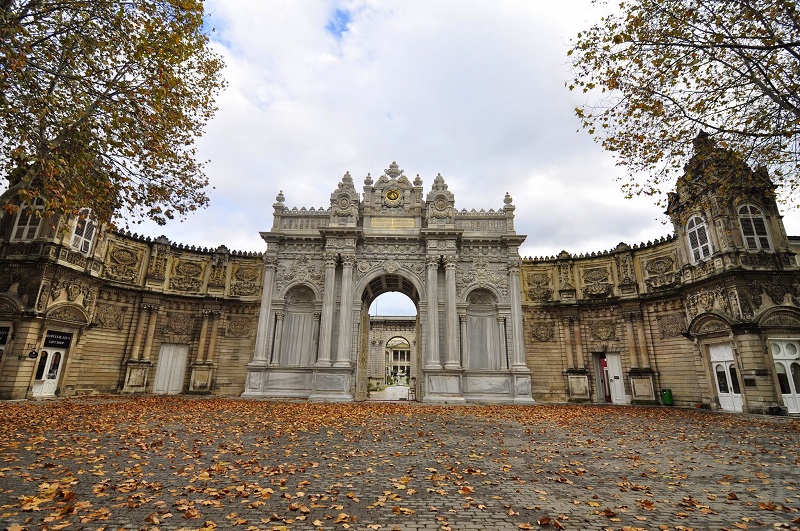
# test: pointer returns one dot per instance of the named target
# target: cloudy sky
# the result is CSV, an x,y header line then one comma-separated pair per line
x,y
471,89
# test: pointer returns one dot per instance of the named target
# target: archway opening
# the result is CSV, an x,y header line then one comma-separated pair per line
x,y
389,353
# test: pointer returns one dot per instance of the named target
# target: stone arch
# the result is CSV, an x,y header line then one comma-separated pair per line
x,y
68,312
779,317
300,284
9,305
378,282
475,286
709,323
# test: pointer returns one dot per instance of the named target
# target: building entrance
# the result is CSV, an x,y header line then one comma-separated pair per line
x,y
461,269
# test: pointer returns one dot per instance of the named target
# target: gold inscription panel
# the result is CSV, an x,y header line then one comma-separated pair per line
x,y
392,223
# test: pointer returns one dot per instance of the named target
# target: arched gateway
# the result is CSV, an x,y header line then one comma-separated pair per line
x,y
323,267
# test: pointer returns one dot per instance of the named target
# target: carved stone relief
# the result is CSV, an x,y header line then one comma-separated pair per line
x,y
539,287
625,269
661,273
603,330
187,275
67,313
671,325
178,323
596,282
122,263
302,270
544,331
483,274
239,327
157,269
245,280
109,316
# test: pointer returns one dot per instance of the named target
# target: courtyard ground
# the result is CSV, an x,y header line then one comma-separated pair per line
x,y
109,463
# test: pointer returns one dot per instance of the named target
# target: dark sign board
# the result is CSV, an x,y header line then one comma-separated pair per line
x,y
57,339
4,334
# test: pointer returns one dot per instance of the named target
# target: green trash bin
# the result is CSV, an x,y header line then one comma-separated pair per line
x,y
666,397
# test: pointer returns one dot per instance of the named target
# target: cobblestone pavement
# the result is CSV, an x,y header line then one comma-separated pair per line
x,y
109,463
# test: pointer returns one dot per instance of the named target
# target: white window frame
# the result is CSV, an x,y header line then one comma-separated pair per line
x,y
79,241
28,222
696,232
753,218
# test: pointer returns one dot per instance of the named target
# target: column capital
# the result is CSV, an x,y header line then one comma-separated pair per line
x,y
330,259
462,318
317,316
432,261
450,261
501,319
279,315
348,260
270,261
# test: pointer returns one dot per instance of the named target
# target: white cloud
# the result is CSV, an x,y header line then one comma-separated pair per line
x,y
473,89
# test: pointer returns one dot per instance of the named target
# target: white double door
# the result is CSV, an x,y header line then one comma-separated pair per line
x,y
48,369
171,369
726,378
786,355
616,384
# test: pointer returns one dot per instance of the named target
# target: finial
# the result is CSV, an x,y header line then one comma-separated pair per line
x,y
279,198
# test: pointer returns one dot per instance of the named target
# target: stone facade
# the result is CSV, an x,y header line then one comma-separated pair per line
x,y
132,315
706,317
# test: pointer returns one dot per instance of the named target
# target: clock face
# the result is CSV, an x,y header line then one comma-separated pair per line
x,y
392,195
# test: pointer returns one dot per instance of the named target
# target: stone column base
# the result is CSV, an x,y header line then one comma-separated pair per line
x,y
201,377
578,385
642,387
136,376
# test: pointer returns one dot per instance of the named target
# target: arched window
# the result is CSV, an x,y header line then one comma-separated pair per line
x,y
83,235
28,221
697,231
754,228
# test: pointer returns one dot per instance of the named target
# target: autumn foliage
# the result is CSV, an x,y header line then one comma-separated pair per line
x,y
657,72
101,102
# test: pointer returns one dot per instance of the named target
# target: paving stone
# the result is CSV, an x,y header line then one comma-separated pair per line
x,y
189,463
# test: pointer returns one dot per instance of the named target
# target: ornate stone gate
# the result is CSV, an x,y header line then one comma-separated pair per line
x,y
323,267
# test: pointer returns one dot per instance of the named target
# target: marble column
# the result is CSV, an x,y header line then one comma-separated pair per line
x,y
326,318
517,337
450,315
432,288
346,313
276,346
315,336
264,321
463,322
151,331
501,335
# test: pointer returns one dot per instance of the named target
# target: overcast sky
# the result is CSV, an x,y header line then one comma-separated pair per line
x,y
470,89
